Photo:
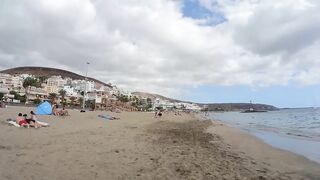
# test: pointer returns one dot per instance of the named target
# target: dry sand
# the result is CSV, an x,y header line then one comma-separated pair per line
x,y
84,146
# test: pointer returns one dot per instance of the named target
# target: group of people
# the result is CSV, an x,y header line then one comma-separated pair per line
x,y
57,112
25,121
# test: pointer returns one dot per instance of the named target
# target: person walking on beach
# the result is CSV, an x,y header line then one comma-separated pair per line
x,y
155,114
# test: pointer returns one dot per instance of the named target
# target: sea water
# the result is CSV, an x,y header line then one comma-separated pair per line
x,y
295,130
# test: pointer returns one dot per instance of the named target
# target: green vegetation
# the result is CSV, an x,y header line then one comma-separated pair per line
x,y
42,79
52,97
123,98
37,101
28,82
72,100
149,103
17,96
141,104
80,100
63,93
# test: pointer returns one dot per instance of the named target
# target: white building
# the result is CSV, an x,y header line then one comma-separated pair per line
x,y
16,81
56,81
5,79
4,90
37,93
160,103
81,85
90,86
52,89
70,91
24,76
10,81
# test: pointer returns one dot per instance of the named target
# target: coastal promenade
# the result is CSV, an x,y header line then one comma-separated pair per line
x,y
139,146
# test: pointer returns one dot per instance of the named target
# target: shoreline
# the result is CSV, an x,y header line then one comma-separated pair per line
x,y
243,141
139,146
292,141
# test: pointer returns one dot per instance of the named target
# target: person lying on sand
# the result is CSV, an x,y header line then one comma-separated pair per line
x,y
22,121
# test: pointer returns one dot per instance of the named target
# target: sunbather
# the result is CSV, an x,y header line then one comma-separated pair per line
x,y
22,121
63,112
55,110
33,120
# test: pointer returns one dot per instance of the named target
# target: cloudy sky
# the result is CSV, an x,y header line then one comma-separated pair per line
x,y
267,51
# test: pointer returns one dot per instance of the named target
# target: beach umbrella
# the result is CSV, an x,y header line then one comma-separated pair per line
x,y
44,108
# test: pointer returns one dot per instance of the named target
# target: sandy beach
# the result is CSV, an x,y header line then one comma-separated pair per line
x,y
138,146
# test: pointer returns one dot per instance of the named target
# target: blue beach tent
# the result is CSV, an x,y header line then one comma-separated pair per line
x,y
44,109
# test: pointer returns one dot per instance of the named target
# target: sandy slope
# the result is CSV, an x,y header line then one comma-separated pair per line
x,y
138,146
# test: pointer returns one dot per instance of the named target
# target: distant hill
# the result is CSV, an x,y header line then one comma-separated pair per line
x,y
48,72
238,106
212,106
153,96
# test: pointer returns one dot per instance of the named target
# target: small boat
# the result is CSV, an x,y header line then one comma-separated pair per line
x,y
251,110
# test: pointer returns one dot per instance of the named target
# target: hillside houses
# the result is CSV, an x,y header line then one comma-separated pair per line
x,y
166,104
101,95
12,85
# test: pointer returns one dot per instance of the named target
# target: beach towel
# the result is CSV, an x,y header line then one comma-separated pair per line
x,y
44,108
12,122
108,117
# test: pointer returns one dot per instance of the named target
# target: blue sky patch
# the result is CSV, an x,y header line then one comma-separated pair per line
x,y
280,96
192,9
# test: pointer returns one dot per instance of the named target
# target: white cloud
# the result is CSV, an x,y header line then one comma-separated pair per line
x,y
151,46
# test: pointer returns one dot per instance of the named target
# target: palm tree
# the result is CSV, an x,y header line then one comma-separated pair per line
x,y
42,79
53,97
72,99
80,100
27,83
62,93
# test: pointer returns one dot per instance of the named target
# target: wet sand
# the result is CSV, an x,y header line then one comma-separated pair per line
x,y
138,146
